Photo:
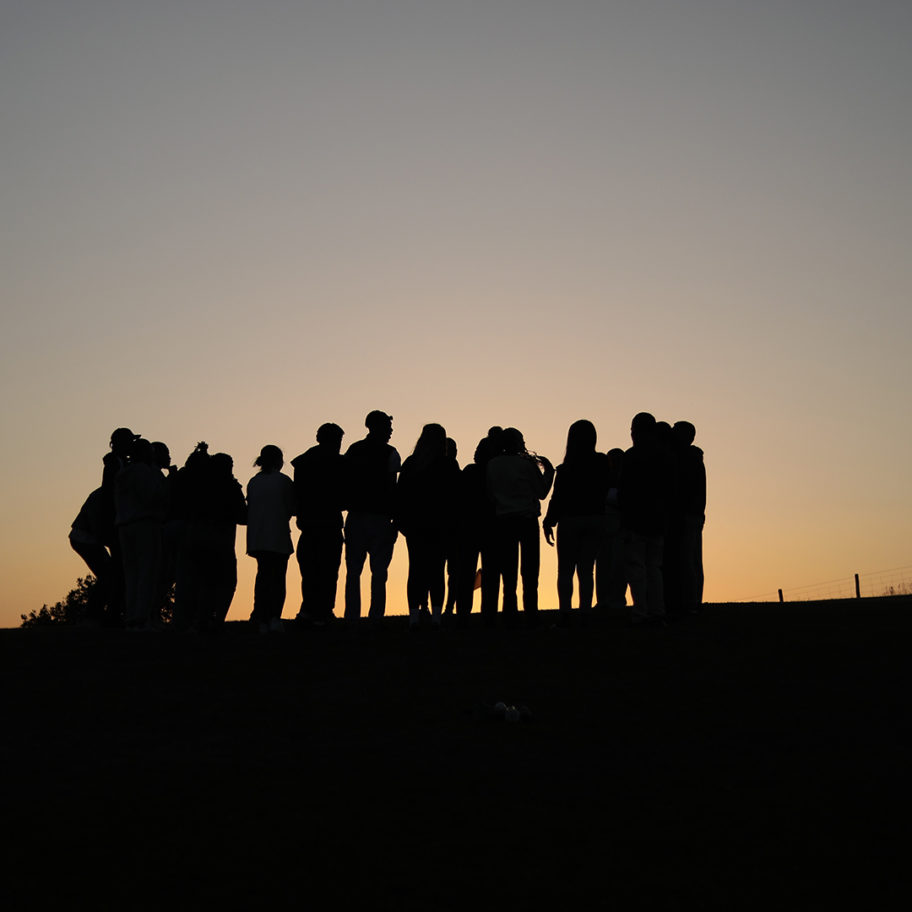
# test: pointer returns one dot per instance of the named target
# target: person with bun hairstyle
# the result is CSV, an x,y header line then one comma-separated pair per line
x,y
270,506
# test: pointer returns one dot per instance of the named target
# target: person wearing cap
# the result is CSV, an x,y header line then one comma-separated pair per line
x,y
372,466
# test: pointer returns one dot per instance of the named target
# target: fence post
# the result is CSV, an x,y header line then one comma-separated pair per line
x,y
781,599
857,587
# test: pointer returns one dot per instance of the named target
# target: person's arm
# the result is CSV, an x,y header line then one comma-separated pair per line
x,y
547,477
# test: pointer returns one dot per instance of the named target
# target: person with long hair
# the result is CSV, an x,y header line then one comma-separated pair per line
x,y
425,513
578,509
270,505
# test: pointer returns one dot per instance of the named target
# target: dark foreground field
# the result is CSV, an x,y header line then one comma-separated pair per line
x,y
755,756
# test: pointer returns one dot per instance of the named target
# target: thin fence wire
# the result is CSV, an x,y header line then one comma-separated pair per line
x,y
873,583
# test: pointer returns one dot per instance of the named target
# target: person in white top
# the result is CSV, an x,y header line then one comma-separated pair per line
x,y
270,506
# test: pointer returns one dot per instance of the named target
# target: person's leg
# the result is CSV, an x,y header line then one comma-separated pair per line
x,y
329,556
226,583
508,560
148,570
98,561
280,573
530,544
656,597
635,561
355,555
309,565
466,567
416,584
129,552
381,553
490,576
592,533
565,563
436,572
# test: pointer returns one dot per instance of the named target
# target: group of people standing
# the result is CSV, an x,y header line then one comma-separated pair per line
x,y
631,517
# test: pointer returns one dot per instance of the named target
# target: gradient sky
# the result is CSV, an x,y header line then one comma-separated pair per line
x,y
234,221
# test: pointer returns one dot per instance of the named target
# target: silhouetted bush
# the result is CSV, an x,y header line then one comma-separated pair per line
x,y
72,609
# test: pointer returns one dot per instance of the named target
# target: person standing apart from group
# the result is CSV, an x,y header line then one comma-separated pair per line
x,y
517,482
270,506
371,469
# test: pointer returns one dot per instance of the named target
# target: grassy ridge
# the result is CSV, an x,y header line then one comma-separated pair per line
x,y
752,754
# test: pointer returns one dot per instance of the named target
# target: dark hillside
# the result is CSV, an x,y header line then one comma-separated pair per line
x,y
757,753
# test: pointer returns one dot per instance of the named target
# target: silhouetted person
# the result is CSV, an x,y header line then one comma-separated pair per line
x,y
270,505
86,541
475,535
171,526
189,483
140,504
643,497
610,572
687,520
212,506
121,447
452,547
319,480
517,482
372,466
425,513
578,508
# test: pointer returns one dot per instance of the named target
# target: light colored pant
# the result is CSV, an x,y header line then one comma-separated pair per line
x,y
643,556
367,534
578,541
140,544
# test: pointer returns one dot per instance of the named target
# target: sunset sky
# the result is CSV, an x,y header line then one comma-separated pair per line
x,y
233,221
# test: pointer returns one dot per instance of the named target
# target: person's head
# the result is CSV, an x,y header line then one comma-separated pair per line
x,y
122,440
329,436
581,439
270,458
431,443
685,433
642,428
495,441
379,425
615,459
222,464
162,454
199,457
512,442
451,449
143,452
